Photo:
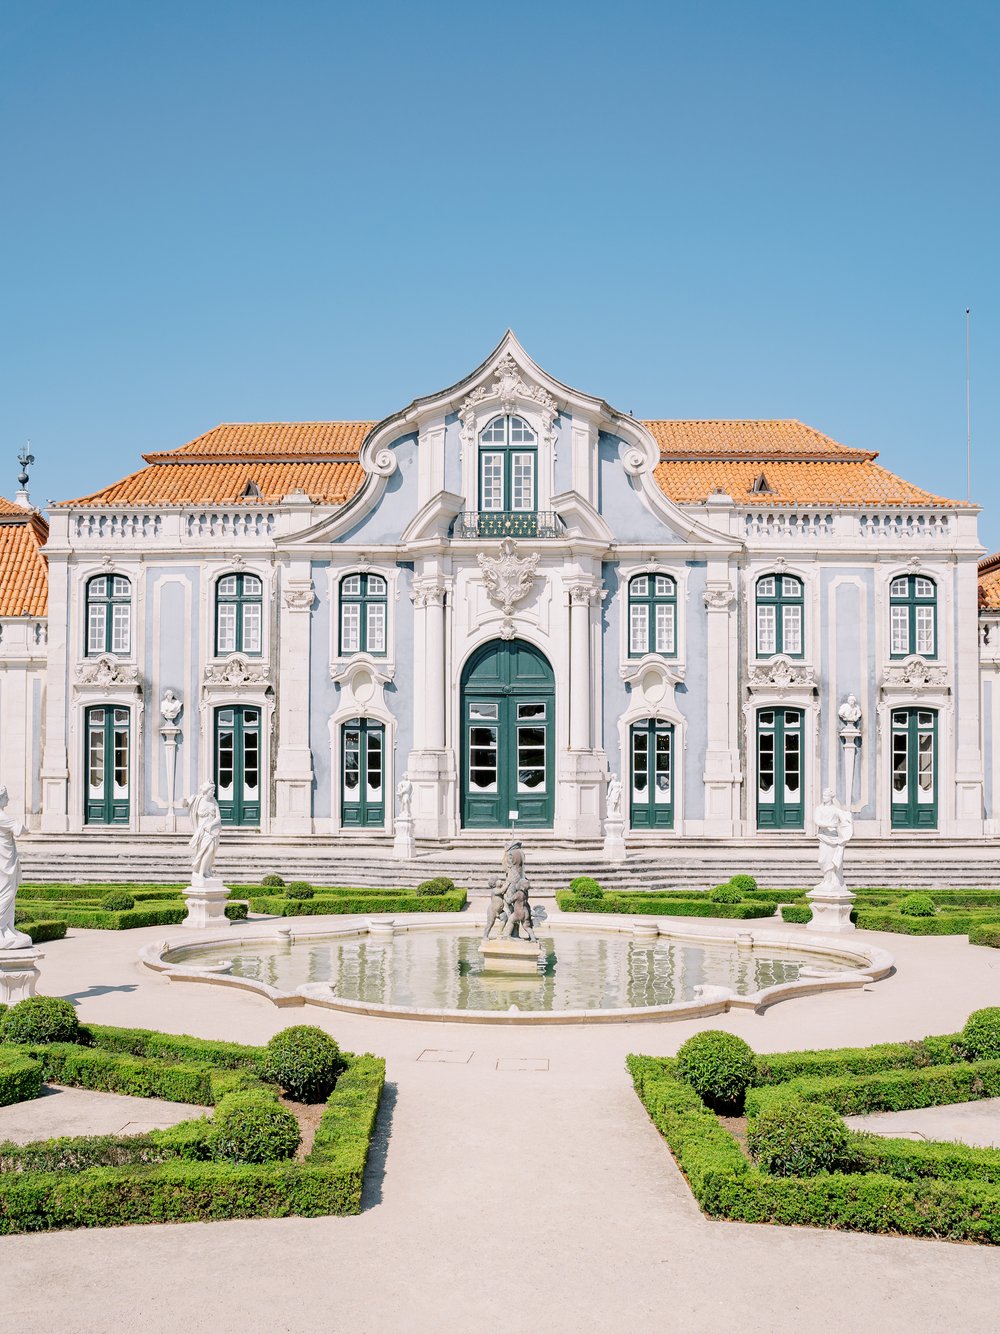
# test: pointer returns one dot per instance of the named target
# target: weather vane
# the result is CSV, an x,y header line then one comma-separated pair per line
x,y
25,459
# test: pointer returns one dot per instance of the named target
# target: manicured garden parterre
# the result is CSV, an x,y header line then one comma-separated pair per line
x,y
240,1163
800,1163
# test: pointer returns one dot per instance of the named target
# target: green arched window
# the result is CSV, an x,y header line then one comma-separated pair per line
x,y
913,616
779,616
508,467
652,615
239,614
109,615
363,608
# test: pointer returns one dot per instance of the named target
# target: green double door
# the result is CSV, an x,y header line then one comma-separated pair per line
x,y
237,764
108,777
362,793
508,705
652,795
914,769
779,769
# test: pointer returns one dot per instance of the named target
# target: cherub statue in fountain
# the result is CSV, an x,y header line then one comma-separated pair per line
x,y
10,878
204,844
509,901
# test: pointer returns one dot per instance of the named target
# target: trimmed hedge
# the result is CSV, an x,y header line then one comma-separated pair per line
x,y
666,906
894,1187
175,1047
20,1078
94,893
796,913
42,931
104,1181
359,902
40,1019
943,924
100,919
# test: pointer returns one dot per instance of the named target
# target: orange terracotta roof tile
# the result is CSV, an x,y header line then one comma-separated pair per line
x,y
747,439
835,483
274,440
225,483
989,583
24,584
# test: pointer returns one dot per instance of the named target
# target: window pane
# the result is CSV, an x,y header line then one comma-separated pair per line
x,y
225,752
376,586
897,589
95,754
924,588
352,762
227,586
791,588
520,432
226,627
925,629
251,763
766,630
639,587
483,758
925,767
97,619
376,627
351,586
483,711
98,588
791,629
661,790
899,749
373,769
491,489
530,711
121,587
665,629
251,586
765,766
121,763
120,627
664,586
494,434
638,629
792,771
350,627
523,482
251,627
640,763
765,586
899,630
530,759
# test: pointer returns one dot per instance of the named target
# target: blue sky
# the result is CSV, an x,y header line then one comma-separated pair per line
x,y
257,211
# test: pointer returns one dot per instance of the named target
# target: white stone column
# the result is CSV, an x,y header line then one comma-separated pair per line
x,y
721,760
170,732
581,703
581,769
431,598
968,755
431,763
293,767
55,767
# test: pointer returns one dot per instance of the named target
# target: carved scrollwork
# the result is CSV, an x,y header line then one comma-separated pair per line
x,y
384,463
107,671
633,461
781,674
509,389
720,597
299,597
237,670
429,595
914,674
508,577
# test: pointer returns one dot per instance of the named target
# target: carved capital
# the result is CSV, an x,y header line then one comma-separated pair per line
x,y
720,597
429,595
299,596
585,595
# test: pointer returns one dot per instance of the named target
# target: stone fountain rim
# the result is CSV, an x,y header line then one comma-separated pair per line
x,y
876,963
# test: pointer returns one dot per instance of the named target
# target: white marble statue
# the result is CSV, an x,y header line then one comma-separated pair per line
x,y
404,791
614,797
170,707
850,712
835,829
10,878
204,844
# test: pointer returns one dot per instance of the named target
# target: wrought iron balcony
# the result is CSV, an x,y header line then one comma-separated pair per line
x,y
507,523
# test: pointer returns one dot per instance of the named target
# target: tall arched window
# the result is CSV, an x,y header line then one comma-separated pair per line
x,y
109,614
239,614
363,603
779,616
508,467
652,615
913,616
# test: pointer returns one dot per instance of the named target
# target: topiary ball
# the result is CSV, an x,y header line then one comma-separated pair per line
x,y
586,887
117,901
798,1139
304,1061
917,905
40,1019
726,894
980,1036
720,1067
272,881
440,884
743,882
300,889
253,1127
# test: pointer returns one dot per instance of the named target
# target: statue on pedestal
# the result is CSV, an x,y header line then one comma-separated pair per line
x,y
835,829
204,844
404,791
614,797
509,901
10,878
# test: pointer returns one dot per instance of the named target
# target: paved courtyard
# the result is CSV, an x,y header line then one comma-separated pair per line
x,y
516,1184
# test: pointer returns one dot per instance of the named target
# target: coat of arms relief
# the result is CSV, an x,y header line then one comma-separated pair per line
x,y
508,579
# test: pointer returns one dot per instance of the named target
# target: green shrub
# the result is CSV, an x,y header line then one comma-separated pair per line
x,y
917,905
719,1067
20,1079
796,913
253,1127
40,1019
981,1034
237,912
725,894
300,889
795,1138
272,881
586,887
304,1061
361,901
439,884
744,882
40,932
118,901
988,935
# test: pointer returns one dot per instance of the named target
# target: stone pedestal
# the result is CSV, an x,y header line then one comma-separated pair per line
x,y
206,904
170,732
614,840
404,846
510,955
18,974
831,902
849,738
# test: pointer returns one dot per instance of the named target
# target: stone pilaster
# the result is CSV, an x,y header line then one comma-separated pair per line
x,y
293,765
431,764
721,757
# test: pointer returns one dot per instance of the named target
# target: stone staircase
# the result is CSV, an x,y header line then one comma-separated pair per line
x,y
692,864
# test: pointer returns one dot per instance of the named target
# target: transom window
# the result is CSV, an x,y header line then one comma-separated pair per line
x,y
508,467
779,616
913,616
652,615
363,604
109,615
239,614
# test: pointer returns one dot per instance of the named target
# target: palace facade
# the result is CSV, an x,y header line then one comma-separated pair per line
x,y
509,590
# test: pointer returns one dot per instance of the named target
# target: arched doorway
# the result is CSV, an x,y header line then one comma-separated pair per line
x,y
508,722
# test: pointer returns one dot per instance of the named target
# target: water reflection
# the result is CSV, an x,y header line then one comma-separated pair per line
x,y
444,970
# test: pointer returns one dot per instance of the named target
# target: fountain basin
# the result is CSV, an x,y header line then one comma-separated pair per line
x,y
592,970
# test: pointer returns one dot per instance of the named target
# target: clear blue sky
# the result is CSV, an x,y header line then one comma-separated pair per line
x,y
257,211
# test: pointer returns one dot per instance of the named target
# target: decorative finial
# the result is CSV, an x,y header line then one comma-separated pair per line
x,y
25,459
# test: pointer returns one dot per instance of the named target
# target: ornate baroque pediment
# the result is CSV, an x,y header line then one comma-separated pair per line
x,y
780,674
915,673
508,577
236,671
106,672
507,390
